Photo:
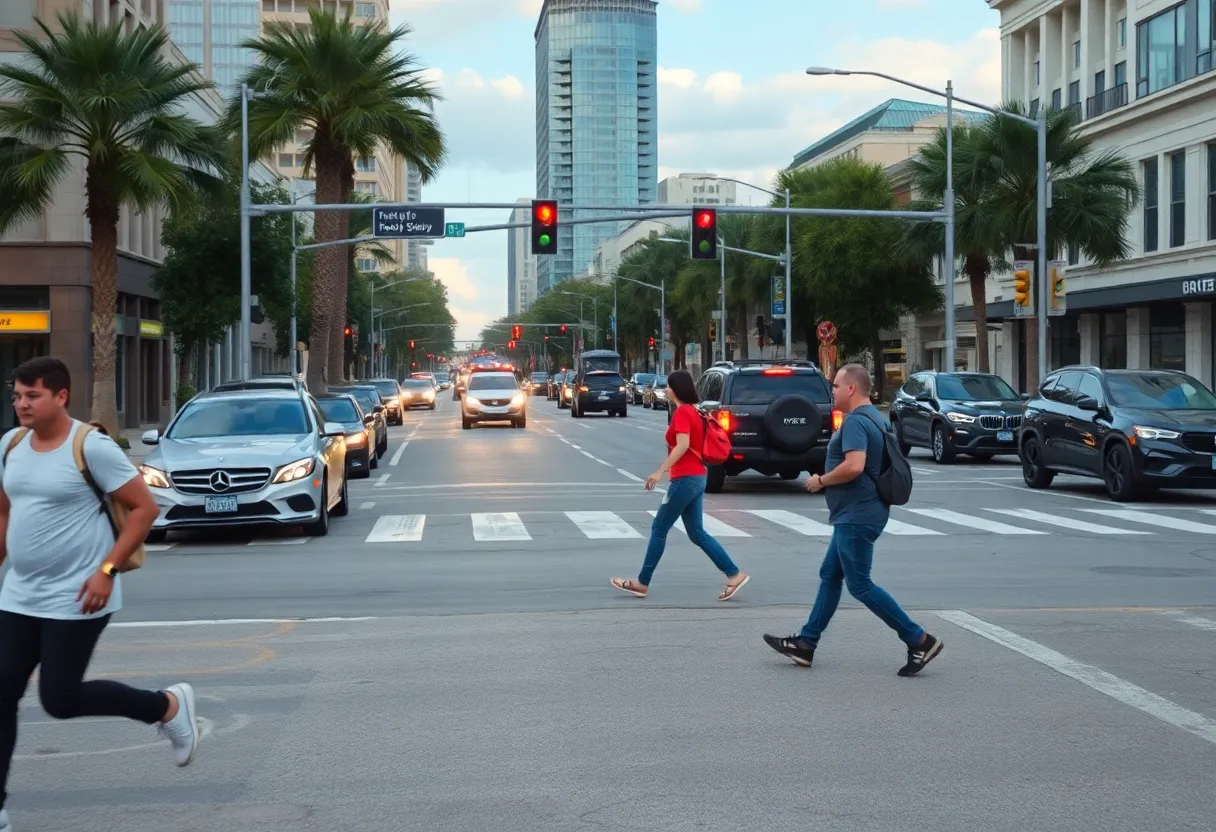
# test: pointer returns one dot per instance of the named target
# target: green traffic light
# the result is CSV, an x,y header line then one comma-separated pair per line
x,y
545,239
704,246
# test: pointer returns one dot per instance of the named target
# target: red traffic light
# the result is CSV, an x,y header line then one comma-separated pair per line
x,y
347,331
515,331
652,342
546,339
545,212
411,344
705,219
563,329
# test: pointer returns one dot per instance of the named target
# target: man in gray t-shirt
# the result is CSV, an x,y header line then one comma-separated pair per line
x,y
64,556
858,515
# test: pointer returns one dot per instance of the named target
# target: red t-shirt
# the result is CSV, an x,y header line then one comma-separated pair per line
x,y
687,419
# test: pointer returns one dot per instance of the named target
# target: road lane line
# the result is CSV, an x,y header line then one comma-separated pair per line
x,y
1066,522
800,524
929,471
279,541
1154,520
1090,676
397,456
602,525
1194,620
365,506
216,622
383,479
979,523
587,454
604,462
633,477
499,527
397,528
712,525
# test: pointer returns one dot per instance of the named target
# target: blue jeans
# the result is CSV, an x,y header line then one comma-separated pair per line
x,y
683,500
848,561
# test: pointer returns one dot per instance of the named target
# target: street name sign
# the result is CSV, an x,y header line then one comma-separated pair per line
x,y
454,229
408,223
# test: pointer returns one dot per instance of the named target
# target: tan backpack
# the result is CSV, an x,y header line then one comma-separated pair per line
x,y
115,511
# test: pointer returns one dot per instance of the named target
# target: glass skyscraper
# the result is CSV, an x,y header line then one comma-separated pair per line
x,y
210,33
596,117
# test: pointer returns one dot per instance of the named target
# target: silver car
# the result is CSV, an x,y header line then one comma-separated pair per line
x,y
251,457
494,397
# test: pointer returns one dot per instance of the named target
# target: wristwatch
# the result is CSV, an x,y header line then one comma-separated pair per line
x,y
109,569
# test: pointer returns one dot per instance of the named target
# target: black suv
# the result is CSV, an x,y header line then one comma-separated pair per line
x,y
779,416
950,413
1137,430
597,391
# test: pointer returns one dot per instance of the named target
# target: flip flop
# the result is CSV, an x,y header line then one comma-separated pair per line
x,y
622,585
731,590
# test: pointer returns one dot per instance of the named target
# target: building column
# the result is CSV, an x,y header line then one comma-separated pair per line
x,y
1091,346
1137,338
1108,43
1087,76
1065,55
1005,364
1199,340
1028,65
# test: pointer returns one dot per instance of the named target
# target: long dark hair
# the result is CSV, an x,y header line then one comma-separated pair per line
x,y
680,382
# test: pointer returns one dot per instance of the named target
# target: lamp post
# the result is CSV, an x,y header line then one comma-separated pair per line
x,y
662,287
246,277
595,311
371,317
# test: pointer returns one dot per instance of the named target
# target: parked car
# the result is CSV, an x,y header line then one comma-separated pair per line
x,y
951,413
390,391
360,436
370,402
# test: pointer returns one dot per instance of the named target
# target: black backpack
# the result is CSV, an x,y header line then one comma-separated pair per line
x,y
894,481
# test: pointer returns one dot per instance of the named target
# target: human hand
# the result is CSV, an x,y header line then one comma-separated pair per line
x,y
653,480
95,592
814,484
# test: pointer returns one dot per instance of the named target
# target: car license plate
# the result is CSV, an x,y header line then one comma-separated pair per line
x,y
221,505
1004,436
603,396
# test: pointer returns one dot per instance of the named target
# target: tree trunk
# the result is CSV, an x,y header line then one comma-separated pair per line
x,y
742,336
103,226
337,338
185,366
328,293
976,269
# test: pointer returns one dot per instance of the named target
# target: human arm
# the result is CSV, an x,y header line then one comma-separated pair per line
x,y
5,507
854,441
677,451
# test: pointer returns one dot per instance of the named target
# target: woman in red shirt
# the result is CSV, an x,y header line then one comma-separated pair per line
x,y
685,437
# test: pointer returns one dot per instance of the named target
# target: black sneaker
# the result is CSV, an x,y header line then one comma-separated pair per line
x,y
797,648
921,655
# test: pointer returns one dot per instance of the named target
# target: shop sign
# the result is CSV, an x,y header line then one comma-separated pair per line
x,y
25,321
151,329
1199,286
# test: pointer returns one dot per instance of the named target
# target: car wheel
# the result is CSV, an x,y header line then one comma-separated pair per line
x,y
465,423
343,507
432,407
1034,467
521,422
904,447
623,412
646,405
156,536
1118,475
320,526
373,461
943,452
715,479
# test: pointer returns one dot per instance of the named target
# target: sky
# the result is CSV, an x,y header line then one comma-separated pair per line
x,y
733,97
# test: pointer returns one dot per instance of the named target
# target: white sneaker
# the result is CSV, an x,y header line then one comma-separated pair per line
x,y
182,731
5,826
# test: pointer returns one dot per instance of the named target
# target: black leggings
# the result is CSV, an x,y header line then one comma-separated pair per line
x,y
63,650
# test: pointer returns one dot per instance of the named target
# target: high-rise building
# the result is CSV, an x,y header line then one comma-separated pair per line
x,y
381,177
210,33
415,250
696,189
521,262
596,117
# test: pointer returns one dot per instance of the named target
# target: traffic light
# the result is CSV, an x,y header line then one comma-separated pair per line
x,y
546,339
563,329
515,332
1022,282
713,329
510,345
652,342
704,234
544,226
1058,288
411,344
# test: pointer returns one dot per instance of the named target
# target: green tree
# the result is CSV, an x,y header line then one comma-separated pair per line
x,y
658,264
355,89
111,98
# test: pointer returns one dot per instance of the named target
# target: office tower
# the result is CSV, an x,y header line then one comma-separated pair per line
x,y
210,33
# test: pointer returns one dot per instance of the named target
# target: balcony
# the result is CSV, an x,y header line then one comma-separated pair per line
x,y
1104,102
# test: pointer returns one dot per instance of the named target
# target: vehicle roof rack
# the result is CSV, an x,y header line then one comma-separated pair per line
x,y
768,362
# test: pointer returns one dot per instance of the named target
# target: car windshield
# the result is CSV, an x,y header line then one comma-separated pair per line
x,y
338,410
367,399
241,417
492,381
443,377
1159,391
660,381
974,389
642,379
540,376
749,388
386,388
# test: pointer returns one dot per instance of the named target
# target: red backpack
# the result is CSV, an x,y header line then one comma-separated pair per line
x,y
715,447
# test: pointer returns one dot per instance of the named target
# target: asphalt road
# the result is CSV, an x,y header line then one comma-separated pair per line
x,y
477,671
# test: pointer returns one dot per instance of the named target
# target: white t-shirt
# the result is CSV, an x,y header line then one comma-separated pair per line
x,y
57,533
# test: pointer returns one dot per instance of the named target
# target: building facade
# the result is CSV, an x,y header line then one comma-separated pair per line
x,y
696,189
521,262
596,116
210,33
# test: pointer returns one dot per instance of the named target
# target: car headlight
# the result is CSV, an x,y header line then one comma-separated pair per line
x,y
429,394
356,439
154,477
960,418
620,389
393,402
517,400
1155,433
297,470
472,401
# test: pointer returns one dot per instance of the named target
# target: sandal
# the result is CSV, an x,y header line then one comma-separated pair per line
x,y
628,586
731,589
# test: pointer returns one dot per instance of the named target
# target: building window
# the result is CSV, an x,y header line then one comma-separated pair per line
x,y
286,160
1074,93
1161,51
1064,340
1120,73
366,165
1167,336
1150,205
1212,191
1074,254
1177,199
1206,31
1037,81
1099,82
369,188
366,264
1121,32
1056,99
1034,108
365,10
268,5
1076,54
1112,341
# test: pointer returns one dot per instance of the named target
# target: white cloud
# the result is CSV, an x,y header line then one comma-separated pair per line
x,y
510,86
682,78
894,5
724,86
686,5
455,275
469,78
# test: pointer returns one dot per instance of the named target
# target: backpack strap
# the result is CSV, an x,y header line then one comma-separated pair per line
x,y
884,432
15,441
82,465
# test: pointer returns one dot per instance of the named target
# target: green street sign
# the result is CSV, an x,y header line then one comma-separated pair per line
x,y
454,229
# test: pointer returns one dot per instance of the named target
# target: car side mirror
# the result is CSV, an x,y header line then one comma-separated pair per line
x,y
924,397
151,437
333,429
1024,397
378,409
1087,403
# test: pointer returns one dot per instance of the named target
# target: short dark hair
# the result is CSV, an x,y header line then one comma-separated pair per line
x,y
680,382
52,372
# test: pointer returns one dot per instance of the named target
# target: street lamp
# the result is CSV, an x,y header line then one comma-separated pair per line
x,y
596,311
371,317
662,287
1040,125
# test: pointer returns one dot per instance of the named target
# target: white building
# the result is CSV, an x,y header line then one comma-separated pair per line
x,y
1141,75
521,262
696,189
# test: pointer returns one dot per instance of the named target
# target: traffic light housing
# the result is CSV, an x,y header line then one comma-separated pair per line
x,y
510,345
515,332
1059,289
563,329
1022,282
544,226
713,329
546,339
704,234
652,342
411,344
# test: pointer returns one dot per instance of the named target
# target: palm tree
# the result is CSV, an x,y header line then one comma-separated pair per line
x,y
356,91
110,98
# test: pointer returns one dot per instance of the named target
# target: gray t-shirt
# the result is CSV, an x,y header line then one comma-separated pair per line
x,y
858,501
57,534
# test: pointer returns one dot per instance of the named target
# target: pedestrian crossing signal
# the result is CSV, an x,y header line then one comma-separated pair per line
x,y
563,329
411,344
510,345
1058,288
1021,288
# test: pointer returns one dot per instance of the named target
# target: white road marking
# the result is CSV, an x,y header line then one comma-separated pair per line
x,y
602,525
711,524
498,486
603,462
499,527
383,479
901,528
1154,520
365,506
1194,620
577,447
1066,522
929,471
800,524
587,454
633,477
581,425
1093,677
960,519
397,456
397,528
214,622
280,541
158,547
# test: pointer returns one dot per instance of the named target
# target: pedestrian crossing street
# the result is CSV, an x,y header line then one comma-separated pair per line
x,y
518,527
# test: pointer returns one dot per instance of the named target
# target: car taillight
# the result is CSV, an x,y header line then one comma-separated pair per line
x,y
723,418
778,371
837,419
584,389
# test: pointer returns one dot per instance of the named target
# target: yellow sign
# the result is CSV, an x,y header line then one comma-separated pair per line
x,y
25,321
151,329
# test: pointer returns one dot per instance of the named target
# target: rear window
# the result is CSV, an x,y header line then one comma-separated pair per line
x,y
603,380
338,410
387,388
755,388
417,384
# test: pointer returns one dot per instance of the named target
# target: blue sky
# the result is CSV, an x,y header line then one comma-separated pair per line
x,y
733,99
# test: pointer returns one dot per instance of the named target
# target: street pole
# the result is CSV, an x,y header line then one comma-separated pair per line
x,y
246,278
722,321
371,331
663,325
981,327
789,297
295,355
1042,242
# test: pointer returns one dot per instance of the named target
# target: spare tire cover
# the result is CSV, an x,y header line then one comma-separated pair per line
x,y
793,423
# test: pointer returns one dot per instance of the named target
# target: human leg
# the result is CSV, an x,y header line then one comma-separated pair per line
x,y
855,544
19,651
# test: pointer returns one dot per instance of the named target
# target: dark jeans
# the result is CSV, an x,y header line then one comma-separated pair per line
x,y
63,650
684,500
848,561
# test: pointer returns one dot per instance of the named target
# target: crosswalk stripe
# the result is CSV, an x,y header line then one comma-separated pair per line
x,y
397,528
280,541
713,525
499,527
1066,522
602,525
979,523
901,528
1194,620
800,524
158,547
1162,521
